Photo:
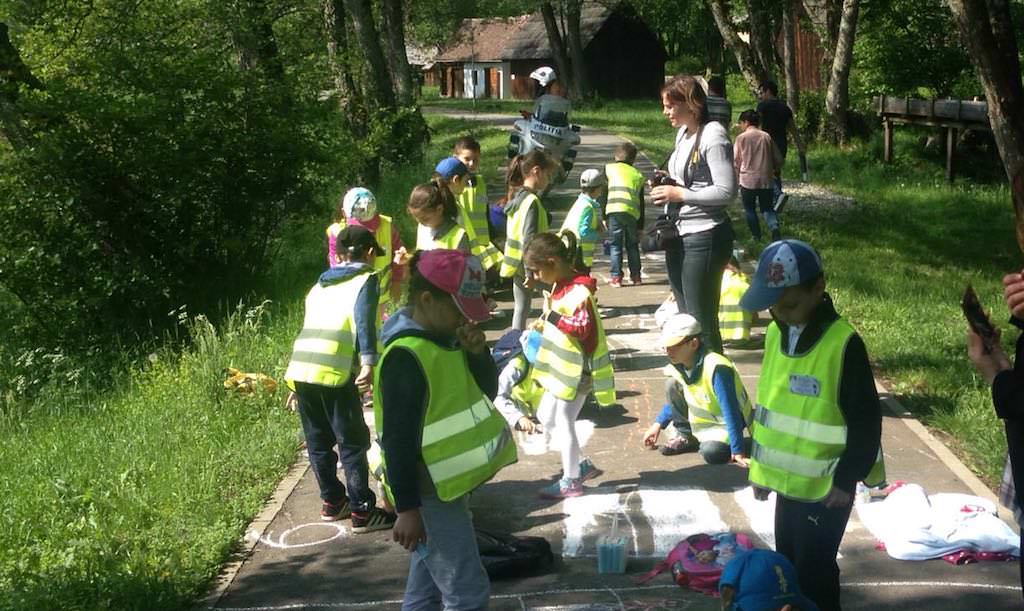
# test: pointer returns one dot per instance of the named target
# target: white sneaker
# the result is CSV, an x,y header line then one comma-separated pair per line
x,y
780,203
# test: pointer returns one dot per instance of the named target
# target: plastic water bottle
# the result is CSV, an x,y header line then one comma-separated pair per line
x,y
863,494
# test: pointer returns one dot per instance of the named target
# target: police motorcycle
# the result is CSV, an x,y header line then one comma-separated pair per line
x,y
547,128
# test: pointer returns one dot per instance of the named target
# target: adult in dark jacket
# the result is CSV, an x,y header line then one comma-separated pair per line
x,y
1007,395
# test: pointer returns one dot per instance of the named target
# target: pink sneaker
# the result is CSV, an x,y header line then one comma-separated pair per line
x,y
562,489
616,282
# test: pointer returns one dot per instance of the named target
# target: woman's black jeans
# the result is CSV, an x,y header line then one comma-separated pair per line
x,y
695,265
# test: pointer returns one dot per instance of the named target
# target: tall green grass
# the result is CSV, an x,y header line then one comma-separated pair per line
x,y
132,496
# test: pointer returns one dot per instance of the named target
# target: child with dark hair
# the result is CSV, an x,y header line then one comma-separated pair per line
x,y
473,202
757,160
528,177
573,355
433,206
436,371
340,323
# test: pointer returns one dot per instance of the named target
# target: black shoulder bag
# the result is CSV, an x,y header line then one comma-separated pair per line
x,y
663,234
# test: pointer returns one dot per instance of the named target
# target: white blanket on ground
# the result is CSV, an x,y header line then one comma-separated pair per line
x,y
914,526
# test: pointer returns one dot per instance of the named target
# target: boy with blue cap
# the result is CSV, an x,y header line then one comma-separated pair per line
x,y
818,421
762,580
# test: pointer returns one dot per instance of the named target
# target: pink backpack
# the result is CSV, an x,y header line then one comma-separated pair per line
x,y
690,571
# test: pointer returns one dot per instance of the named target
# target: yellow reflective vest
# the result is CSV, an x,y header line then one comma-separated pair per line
x,y
465,440
799,433
383,261
560,363
473,204
733,320
625,189
527,393
324,351
705,411
450,240
515,239
574,219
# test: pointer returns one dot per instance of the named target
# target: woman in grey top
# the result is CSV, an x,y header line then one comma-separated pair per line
x,y
701,165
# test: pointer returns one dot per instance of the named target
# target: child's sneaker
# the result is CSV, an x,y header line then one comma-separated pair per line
x,y
330,512
562,489
616,282
588,470
369,521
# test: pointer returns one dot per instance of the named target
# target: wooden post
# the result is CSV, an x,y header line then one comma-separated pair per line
x,y
887,149
950,153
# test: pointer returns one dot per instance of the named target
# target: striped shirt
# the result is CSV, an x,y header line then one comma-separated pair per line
x,y
713,178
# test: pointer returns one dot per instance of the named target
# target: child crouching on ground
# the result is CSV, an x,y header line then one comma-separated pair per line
x,y
573,354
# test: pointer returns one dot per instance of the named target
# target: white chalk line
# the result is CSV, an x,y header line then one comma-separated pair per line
x,y
616,591
282,540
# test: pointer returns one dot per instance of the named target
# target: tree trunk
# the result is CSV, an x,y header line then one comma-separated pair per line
x,y
752,70
762,41
837,98
790,10
255,41
13,74
394,25
379,88
987,31
337,58
558,49
579,65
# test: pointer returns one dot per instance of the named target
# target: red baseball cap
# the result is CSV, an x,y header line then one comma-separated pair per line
x,y
461,276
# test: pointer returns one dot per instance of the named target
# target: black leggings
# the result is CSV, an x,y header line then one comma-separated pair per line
x,y
695,265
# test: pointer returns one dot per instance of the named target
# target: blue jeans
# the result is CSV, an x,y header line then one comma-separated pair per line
x,y
763,199
334,415
445,572
623,229
695,265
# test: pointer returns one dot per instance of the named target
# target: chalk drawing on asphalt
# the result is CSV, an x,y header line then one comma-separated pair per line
x,y
335,531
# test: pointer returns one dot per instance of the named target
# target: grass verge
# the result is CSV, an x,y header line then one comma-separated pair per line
x,y
897,261
132,498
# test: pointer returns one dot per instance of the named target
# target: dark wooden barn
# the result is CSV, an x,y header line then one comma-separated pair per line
x,y
494,57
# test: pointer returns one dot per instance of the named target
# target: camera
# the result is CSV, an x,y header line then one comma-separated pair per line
x,y
662,179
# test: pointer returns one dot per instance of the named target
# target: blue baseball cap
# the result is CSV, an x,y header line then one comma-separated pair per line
x,y
783,264
764,581
451,166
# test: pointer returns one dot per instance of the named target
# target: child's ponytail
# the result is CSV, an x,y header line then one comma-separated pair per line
x,y
514,177
550,245
432,194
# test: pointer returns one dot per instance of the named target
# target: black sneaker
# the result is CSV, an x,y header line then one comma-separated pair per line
x,y
680,445
369,521
331,512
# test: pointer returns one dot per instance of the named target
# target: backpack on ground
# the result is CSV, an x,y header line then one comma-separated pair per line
x,y
504,555
693,567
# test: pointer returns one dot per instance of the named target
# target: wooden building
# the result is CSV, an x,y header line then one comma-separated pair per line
x,y
494,57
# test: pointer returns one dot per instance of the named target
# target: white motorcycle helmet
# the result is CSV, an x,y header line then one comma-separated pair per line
x,y
359,204
544,75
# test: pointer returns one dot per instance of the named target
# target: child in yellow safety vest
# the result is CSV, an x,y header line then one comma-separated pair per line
x,y
358,208
433,206
339,331
440,435
584,218
625,212
734,321
818,423
707,403
573,355
473,202
528,177
519,394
